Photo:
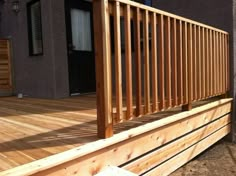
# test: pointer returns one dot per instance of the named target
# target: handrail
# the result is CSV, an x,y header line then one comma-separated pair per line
x,y
158,11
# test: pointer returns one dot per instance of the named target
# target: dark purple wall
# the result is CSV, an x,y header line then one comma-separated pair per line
x,y
38,76
217,13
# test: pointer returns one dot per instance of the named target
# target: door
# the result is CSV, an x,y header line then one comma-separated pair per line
x,y
81,60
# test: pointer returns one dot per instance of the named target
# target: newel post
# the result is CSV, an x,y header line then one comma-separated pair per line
x,y
103,68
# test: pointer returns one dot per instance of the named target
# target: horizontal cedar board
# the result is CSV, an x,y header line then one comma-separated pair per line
x,y
182,158
162,154
93,157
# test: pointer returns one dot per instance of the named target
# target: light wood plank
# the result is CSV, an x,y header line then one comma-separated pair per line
x,y
162,154
182,158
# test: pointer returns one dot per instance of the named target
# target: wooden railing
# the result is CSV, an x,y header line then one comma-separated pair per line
x,y
5,65
153,60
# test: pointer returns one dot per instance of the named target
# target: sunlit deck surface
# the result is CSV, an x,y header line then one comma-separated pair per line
x,y
31,129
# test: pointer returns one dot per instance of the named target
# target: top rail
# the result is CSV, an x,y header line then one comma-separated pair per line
x,y
177,17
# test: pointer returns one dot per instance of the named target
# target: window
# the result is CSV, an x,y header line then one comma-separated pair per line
x,y
81,30
35,28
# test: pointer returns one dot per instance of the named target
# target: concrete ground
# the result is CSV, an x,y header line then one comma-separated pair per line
x,y
219,160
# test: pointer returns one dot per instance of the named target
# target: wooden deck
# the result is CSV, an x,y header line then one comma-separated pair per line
x,y
32,129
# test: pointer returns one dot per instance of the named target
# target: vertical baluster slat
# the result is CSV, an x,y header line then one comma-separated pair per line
x,y
185,62
161,60
210,63
154,64
128,57
217,63
168,61
213,63
220,63
138,63
180,62
190,66
228,65
118,64
207,63
194,47
199,62
146,63
174,61
223,63
203,60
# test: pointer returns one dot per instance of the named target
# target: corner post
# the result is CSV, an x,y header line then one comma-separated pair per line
x,y
103,68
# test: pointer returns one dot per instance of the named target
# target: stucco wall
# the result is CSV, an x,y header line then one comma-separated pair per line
x,y
217,13
38,76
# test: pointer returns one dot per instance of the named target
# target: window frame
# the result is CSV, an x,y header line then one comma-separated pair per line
x,y
30,30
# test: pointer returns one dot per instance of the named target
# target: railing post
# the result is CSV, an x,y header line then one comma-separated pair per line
x,y
103,68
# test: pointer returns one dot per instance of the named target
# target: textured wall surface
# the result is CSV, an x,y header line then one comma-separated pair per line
x,y
38,76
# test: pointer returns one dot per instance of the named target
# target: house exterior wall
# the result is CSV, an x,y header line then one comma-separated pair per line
x,y
43,76
217,13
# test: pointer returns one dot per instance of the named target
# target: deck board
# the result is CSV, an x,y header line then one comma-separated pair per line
x,y
32,129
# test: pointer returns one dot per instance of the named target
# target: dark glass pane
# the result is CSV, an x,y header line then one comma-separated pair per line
x,y
35,28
